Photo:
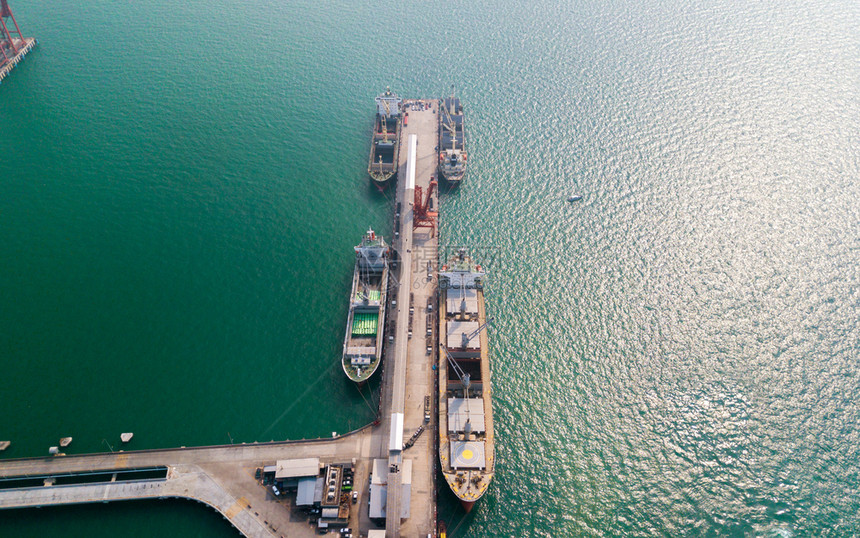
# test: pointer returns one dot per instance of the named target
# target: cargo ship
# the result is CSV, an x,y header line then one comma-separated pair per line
x,y
466,436
385,145
362,345
452,140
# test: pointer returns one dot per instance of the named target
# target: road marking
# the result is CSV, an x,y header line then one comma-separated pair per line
x,y
237,507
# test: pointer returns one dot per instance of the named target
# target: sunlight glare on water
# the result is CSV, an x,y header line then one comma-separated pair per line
x,y
673,355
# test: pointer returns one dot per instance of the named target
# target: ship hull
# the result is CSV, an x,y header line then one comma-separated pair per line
x,y
454,179
452,139
362,345
465,413
384,153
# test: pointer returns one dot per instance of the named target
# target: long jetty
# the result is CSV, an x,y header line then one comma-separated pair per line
x,y
224,477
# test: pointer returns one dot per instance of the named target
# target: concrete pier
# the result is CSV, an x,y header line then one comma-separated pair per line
x,y
414,377
219,476
23,48
223,477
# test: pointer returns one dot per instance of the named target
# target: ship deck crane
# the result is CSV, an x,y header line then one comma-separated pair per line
x,y
384,120
468,337
463,376
466,380
384,130
448,124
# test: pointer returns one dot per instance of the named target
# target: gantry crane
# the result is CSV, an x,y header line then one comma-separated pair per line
x,y
6,37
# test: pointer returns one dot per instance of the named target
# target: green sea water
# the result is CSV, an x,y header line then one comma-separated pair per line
x,y
181,184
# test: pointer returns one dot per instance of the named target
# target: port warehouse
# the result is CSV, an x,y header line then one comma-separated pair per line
x,y
325,489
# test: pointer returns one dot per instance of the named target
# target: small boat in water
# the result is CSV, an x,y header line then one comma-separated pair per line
x,y
65,441
574,198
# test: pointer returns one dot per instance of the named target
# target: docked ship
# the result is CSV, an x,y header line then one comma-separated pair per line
x,y
362,346
385,146
466,437
452,140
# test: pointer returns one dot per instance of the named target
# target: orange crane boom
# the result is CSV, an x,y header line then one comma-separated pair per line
x,y
425,217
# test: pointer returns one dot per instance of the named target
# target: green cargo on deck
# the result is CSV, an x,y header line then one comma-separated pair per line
x,y
364,324
373,295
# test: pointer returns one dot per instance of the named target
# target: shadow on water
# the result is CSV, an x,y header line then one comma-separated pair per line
x,y
450,511
448,188
376,192
184,517
368,393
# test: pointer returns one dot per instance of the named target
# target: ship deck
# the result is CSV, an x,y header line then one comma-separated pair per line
x,y
365,324
382,171
469,485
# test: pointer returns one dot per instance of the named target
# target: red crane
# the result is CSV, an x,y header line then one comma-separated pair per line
x,y
6,40
424,216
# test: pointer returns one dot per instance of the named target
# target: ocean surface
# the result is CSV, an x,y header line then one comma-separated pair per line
x,y
678,354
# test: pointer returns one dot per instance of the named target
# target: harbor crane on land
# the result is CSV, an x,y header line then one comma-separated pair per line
x,y
423,214
7,39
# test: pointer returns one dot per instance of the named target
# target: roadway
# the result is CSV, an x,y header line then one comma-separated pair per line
x,y
412,377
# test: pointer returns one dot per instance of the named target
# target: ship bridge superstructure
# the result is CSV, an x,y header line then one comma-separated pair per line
x,y
388,104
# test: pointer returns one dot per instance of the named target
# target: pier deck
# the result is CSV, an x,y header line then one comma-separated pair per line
x,y
223,477
408,376
23,48
219,476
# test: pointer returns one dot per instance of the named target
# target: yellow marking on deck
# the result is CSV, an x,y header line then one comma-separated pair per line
x,y
240,504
